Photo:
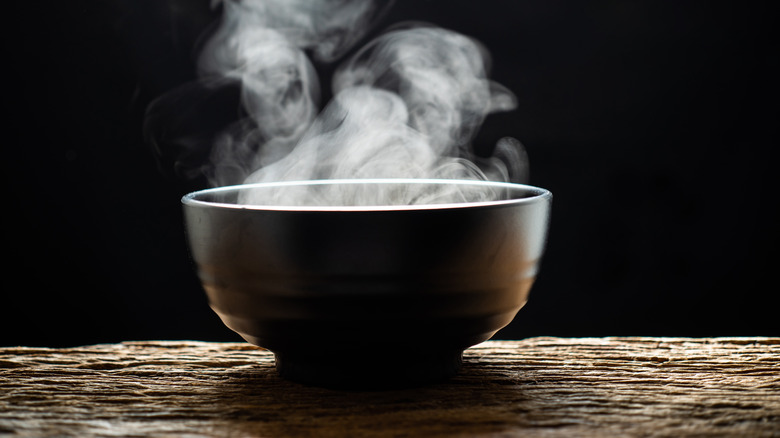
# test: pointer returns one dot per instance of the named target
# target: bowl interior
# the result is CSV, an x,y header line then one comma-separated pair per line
x,y
367,194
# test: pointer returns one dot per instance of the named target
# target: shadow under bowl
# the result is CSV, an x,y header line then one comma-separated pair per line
x,y
367,296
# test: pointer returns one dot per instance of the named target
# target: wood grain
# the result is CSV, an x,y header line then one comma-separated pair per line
x,y
539,387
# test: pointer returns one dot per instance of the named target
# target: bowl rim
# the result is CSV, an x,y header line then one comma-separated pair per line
x,y
536,194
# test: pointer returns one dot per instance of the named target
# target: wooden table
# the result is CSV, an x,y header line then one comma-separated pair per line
x,y
539,387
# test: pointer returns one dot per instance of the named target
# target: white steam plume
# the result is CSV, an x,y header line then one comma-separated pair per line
x,y
261,44
406,105
439,74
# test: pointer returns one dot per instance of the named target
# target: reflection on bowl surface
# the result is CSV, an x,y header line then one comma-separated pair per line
x,y
367,295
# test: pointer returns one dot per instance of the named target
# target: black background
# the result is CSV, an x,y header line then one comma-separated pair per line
x,y
654,124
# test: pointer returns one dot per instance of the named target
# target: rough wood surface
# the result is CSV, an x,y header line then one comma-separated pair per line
x,y
540,387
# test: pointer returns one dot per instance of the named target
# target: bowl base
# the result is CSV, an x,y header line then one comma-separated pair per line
x,y
366,371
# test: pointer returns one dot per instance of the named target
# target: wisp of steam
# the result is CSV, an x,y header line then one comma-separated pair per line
x,y
406,104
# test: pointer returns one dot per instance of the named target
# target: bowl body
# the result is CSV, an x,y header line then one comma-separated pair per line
x,y
367,296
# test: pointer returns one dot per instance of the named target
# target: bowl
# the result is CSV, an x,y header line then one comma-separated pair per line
x,y
367,296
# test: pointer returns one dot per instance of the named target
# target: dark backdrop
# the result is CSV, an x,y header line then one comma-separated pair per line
x,y
653,122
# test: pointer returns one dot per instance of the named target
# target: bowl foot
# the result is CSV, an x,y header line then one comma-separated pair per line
x,y
367,371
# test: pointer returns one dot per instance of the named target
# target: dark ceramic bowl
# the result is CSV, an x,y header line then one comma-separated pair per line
x,y
372,296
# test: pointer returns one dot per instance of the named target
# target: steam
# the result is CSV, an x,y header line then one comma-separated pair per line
x,y
408,104
261,44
